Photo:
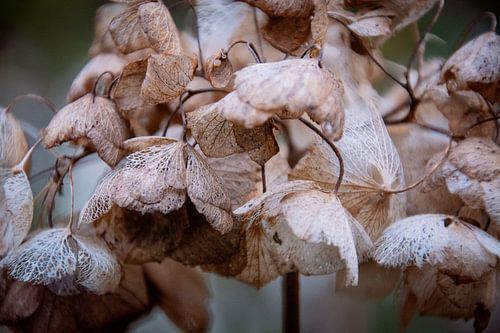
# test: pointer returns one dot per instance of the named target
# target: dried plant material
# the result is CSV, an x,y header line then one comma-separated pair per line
x,y
102,42
126,31
16,209
415,158
218,69
294,8
295,86
218,137
127,92
472,171
80,313
297,31
167,77
157,179
440,240
136,238
463,109
13,144
367,23
159,27
19,300
240,177
435,292
475,66
55,254
182,293
86,79
281,235
92,121
372,169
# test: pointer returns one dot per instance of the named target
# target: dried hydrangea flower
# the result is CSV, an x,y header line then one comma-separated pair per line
x,y
219,69
13,144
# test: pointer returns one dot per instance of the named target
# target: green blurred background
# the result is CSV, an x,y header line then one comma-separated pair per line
x,y
43,45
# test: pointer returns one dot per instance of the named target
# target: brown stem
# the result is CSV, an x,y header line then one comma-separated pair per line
x,y
38,98
96,82
263,175
257,31
334,148
72,196
21,166
291,303
493,26
250,47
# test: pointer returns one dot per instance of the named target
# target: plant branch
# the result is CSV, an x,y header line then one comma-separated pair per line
x,y
250,47
493,26
291,303
38,98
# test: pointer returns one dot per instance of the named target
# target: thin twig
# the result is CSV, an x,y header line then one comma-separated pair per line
x,y
72,196
493,26
38,98
21,166
257,31
334,148
263,175
250,47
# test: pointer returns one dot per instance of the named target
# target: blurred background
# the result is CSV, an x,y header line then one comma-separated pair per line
x,y
44,44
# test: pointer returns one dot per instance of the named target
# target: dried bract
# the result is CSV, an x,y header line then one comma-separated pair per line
x,y
218,69
13,144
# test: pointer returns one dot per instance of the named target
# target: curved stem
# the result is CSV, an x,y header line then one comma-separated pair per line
x,y
38,98
481,122
334,148
257,32
250,47
21,166
98,79
72,196
493,26
433,169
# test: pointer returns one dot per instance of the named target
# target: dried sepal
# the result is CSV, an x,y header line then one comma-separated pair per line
x,y
372,169
167,77
218,137
291,87
126,30
92,121
127,91
472,171
86,78
182,293
103,42
76,313
13,144
157,179
54,255
440,240
475,66
218,69
159,27
16,209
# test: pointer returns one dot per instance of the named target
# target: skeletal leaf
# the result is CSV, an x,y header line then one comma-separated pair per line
x,y
435,292
157,179
296,86
167,77
55,255
85,80
476,66
93,121
371,165
80,313
126,30
472,171
463,109
219,69
13,144
218,137
159,27
182,293
414,158
16,209
440,240
127,92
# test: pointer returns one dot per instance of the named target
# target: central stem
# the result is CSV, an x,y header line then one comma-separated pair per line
x,y
291,303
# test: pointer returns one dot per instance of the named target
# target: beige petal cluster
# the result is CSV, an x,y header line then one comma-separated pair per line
x,y
219,137
13,144
158,178
91,121
281,235
372,168
286,88
55,256
472,171
475,66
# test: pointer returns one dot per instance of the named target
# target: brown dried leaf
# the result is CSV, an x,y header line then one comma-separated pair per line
x,y
218,137
218,69
127,91
13,144
85,80
182,294
167,77
140,238
159,27
292,8
243,114
84,312
126,31
472,171
92,120
16,209
476,66
287,34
